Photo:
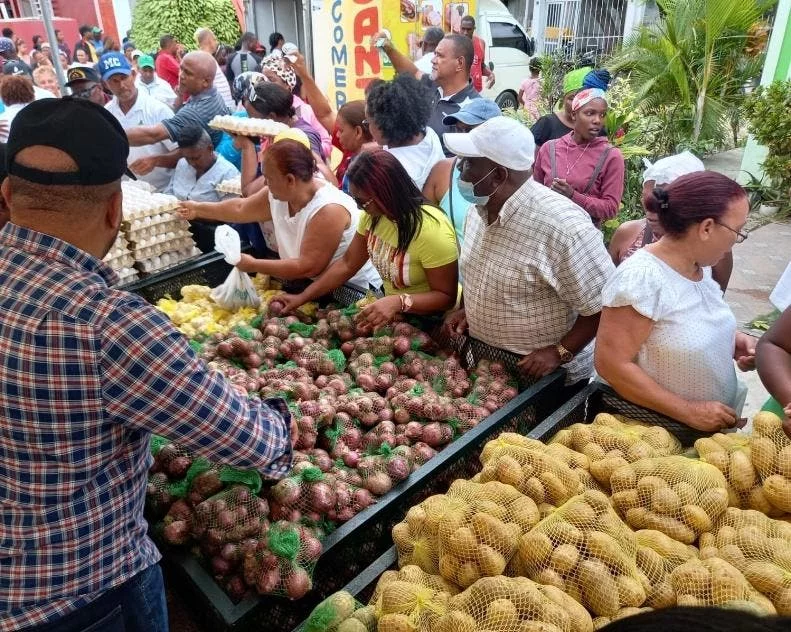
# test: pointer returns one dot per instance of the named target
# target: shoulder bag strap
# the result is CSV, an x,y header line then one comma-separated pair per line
x,y
597,169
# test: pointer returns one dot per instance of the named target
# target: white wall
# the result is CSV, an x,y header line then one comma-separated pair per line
x,y
123,15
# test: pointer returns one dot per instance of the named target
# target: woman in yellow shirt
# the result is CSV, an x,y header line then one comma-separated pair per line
x,y
410,242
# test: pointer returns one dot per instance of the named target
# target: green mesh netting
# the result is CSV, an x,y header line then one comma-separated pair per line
x,y
157,443
352,310
250,478
283,541
302,329
312,475
196,346
180,488
256,322
338,359
380,360
287,365
243,331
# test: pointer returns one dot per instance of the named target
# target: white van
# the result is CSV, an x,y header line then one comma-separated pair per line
x,y
508,48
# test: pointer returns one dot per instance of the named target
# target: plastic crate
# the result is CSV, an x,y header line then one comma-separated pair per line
x,y
209,269
357,543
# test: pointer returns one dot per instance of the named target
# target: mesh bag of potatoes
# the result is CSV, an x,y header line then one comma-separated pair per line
x,y
540,476
410,600
730,454
657,556
610,443
715,582
341,612
759,547
679,496
770,451
513,604
480,540
585,550
512,444
417,536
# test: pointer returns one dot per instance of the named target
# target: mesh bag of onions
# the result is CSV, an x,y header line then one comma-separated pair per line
x,y
283,560
410,599
770,451
513,604
759,547
232,515
731,455
657,556
340,612
479,538
679,496
585,550
385,467
610,443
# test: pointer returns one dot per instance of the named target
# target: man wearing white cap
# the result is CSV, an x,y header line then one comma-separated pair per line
x,y
532,262
634,235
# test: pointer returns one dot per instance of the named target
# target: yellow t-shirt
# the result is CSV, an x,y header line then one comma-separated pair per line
x,y
433,246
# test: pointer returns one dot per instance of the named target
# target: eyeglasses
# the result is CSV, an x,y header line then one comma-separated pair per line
x,y
86,92
360,203
740,236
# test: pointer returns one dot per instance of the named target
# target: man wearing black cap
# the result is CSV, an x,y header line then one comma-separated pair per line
x,y
85,83
88,372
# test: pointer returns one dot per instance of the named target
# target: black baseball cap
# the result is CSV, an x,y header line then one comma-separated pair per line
x,y
16,68
100,149
82,73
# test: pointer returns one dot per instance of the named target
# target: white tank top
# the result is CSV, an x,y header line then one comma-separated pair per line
x,y
290,231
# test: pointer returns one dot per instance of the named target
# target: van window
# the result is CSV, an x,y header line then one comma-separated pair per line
x,y
508,35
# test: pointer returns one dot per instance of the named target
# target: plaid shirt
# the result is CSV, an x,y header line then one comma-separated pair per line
x,y
529,274
87,373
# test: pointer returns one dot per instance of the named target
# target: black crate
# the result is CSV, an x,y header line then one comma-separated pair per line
x,y
358,543
209,269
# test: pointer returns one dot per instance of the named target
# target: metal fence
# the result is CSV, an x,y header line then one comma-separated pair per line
x,y
580,28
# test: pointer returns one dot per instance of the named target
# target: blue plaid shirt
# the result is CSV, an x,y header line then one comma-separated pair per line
x,y
87,373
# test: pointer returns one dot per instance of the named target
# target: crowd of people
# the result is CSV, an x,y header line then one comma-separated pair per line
x,y
453,211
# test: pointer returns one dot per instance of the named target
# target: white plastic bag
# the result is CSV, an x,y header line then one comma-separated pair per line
x,y
237,290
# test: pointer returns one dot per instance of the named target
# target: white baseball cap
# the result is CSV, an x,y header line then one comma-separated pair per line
x,y
500,139
666,170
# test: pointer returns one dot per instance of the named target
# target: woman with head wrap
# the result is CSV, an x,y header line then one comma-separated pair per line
x,y
583,165
277,71
559,123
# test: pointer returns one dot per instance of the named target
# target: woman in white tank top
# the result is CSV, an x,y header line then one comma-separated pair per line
x,y
314,221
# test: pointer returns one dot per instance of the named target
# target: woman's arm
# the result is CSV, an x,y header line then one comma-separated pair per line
x,y
622,332
606,206
313,94
235,210
336,275
321,240
251,181
773,358
438,181
444,283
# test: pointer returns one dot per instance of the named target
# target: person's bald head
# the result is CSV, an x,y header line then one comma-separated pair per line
x,y
206,40
197,72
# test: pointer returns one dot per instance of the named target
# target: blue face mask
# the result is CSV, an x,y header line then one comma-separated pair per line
x,y
467,191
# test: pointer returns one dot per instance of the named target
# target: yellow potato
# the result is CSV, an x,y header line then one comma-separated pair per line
x,y
399,597
599,588
714,501
490,561
579,512
626,500
549,577
402,537
662,595
563,532
766,577
630,592
778,492
691,578
491,531
579,618
696,518
763,454
456,621
651,563
741,473
665,501
564,559
669,526
395,623
767,424
784,461
524,512
535,550
637,517
466,575
509,471
606,548
686,492
462,543
556,491
501,615
535,490
624,477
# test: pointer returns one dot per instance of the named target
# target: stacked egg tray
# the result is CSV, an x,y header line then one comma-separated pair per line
x,y
158,238
121,260
247,126
232,186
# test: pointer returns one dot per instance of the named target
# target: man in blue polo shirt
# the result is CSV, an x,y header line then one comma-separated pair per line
x,y
196,81
449,78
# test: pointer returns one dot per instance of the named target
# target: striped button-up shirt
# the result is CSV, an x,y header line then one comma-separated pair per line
x,y
87,373
531,272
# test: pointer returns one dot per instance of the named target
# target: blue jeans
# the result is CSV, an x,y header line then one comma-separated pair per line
x,y
135,606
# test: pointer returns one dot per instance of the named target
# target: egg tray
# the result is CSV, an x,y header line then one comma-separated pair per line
x,y
233,186
247,126
168,259
157,250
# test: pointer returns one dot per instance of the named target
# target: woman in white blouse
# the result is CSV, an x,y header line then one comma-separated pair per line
x,y
667,339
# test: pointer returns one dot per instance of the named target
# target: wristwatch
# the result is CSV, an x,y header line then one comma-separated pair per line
x,y
565,354
406,302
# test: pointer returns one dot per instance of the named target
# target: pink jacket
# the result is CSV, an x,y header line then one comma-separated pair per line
x,y
603,198
305,112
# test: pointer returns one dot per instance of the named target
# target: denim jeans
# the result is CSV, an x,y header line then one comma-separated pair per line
x,y
135,606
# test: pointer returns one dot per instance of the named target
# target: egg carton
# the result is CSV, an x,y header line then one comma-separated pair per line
x,y
138,204
168,259
162,238
127,275
125,260
152,232
155,220
141,254
247,126
232,185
